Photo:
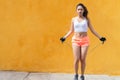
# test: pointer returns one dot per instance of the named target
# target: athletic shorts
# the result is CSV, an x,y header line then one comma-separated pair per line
x,y
80,41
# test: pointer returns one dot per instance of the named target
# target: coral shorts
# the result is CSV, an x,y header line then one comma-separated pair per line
x,y
80,41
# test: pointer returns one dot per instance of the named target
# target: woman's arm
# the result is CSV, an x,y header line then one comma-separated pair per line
x,y
70,31
92,29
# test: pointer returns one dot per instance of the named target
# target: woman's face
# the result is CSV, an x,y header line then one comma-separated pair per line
x,y
80,10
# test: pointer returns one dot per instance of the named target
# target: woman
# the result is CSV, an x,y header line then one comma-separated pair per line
x,y
80,40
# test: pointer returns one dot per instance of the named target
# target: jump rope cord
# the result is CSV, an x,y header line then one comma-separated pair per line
x,y
97,45
26,77
91,50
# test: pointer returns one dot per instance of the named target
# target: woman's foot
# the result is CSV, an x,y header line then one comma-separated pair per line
x,y
76,77
82,77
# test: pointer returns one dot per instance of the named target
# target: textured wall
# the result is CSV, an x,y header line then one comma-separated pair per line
x,y
30,32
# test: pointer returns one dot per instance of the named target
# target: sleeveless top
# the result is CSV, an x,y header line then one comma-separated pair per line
x,y
81,26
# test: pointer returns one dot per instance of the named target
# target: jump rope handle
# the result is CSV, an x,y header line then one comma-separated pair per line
x,y
103,39
62,39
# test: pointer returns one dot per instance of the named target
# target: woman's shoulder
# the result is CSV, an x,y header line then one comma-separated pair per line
x,y
74,18
88,19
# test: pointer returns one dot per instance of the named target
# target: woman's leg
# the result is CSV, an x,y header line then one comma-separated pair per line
x,y
76,52
83,54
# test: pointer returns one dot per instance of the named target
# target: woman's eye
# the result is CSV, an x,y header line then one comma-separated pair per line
x,y
80,9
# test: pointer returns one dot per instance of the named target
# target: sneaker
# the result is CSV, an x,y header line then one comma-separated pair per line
x,y
82,77
76,77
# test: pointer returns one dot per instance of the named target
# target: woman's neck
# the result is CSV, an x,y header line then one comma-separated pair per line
x,y
81,17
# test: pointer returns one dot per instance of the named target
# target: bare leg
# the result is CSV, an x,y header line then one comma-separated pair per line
x,y
84,50
76,52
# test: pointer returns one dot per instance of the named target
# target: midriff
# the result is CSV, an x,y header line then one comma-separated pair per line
x,y
80,34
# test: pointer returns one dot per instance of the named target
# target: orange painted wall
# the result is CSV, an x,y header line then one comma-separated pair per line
x,y
30,32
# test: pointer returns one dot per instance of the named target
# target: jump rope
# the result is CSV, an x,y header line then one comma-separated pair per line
x,y
90,50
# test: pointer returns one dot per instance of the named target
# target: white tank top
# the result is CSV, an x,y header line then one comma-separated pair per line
x,y
80,26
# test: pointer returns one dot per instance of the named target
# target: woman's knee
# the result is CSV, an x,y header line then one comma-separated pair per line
x,y
76,60
82,60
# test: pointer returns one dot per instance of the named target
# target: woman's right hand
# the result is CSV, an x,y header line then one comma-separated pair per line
x,y
62,39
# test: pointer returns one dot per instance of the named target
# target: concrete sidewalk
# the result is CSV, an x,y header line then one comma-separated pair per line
x,y
12,75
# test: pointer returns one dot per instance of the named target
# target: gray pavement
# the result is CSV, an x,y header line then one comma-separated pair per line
x,y
13,75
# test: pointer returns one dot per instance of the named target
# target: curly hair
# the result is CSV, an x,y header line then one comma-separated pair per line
x,y
85,13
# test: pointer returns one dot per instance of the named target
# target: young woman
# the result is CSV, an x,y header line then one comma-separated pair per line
x,y
80,40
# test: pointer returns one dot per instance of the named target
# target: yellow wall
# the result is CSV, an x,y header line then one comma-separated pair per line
x,y
30,32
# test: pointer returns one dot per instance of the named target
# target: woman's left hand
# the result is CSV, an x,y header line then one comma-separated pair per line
x,y
103,39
